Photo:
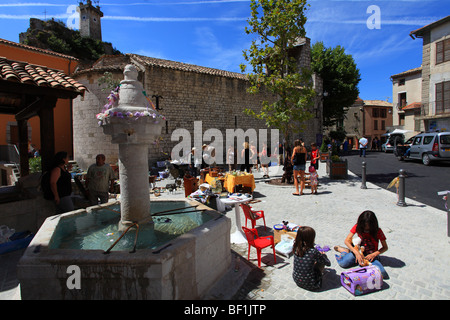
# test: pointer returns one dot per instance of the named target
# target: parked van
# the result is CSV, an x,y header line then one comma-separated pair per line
x,y
389,145
432,146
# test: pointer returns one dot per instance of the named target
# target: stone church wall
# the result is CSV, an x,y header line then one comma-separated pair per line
x,y
217,101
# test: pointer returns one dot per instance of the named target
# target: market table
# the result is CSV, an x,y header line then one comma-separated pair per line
x,y
238,236
246,180
210,180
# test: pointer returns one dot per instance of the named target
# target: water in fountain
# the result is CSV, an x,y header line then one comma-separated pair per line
x,y
98,230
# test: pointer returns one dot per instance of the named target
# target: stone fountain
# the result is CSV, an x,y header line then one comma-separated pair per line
x,y
70,257
136,128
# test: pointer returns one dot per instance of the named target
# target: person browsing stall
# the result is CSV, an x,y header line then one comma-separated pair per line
x,y
61,183
299,155
99,180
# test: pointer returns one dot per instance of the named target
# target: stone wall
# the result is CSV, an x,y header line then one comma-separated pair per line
x,y
215,98
218,102
426,65
28,214
88,137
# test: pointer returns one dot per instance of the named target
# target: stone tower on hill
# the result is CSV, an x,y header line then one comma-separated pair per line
x,y
90,23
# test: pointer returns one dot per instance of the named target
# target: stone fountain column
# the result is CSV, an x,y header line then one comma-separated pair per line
x,y
133,126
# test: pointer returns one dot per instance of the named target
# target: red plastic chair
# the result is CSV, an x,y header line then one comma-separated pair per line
x,y
253,215
259,243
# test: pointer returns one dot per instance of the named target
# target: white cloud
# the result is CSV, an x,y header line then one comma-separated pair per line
x,y
215,54
121,3
174,3
28,16
152,54
172,19
34,4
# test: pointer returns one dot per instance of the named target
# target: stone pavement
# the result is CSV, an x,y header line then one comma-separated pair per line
x,y
417,260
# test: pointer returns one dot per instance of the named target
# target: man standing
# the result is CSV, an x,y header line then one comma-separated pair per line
x,y
363,146
99,180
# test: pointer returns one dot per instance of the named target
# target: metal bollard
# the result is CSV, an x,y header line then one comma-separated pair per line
x,y
363,176
448,213
401,188
446,193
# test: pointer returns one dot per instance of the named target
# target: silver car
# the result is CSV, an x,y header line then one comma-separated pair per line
x,y
429,147
389,145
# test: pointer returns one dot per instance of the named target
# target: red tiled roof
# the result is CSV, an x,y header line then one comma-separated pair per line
x,y
118,62
377,103
41,76
35,49
413,105
175,65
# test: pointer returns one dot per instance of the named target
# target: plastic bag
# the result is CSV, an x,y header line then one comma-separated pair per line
x,y
285,246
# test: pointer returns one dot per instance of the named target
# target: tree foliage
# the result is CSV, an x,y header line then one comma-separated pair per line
x,y
57,37
277,25
340,77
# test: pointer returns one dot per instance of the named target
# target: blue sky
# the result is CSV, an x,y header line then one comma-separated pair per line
x,y
211,33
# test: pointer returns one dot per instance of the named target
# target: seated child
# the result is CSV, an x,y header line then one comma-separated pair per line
x,y
309,263
370,234
314,178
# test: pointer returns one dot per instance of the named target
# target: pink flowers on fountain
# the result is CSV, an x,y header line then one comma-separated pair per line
x,y
113,101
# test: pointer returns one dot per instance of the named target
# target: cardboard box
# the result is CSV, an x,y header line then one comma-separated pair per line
x,y
277,235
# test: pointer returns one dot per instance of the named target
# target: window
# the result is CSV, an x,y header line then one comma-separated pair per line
x,y
375,124
383,113
445,139
14,135
383,125
375,113
401,100
401,119
417,125
401,82
417,141
443,51
443,97
427,139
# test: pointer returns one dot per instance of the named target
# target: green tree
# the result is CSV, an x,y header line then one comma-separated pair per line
x,y
340,80
277,25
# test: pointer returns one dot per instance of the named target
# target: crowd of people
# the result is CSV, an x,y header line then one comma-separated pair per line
x,y
309,262
247,160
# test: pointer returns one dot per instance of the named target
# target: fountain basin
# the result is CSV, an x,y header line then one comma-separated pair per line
x,y
184,267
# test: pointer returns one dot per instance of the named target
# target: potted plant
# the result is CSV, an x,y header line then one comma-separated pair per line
x,y
337,168
323,150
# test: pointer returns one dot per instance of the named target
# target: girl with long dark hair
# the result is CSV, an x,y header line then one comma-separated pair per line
x,y
370,235
309,263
